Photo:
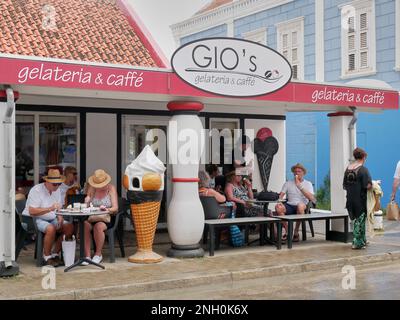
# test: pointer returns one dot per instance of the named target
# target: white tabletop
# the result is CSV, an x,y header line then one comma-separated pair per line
x,y
66,212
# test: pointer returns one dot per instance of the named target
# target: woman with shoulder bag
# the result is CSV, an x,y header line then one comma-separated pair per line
x,y
104,195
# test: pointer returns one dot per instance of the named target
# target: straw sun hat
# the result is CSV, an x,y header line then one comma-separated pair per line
x,y
99,179
54,176
300,166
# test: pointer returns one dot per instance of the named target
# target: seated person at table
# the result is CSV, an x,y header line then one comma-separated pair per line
x,y
71,185
206,191
104,195
212,170
43,201
240,193
298,193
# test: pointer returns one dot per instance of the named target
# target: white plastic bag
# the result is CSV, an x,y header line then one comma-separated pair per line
x,y
68,248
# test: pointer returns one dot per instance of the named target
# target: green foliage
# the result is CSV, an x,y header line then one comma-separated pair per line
x,y
324,194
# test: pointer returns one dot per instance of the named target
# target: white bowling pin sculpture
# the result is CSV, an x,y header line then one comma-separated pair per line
x,y
185,213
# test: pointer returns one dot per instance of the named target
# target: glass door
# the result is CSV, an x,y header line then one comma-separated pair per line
x,y
151,130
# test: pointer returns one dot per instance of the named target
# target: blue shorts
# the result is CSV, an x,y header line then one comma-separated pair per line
x,y
42,224
290,209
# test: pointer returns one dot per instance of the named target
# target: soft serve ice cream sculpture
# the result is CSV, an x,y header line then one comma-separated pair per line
x,y
144,180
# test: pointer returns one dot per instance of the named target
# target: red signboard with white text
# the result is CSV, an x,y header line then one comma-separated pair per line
x,y
18,71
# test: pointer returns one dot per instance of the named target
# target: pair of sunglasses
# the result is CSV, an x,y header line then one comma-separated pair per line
x,y
56,184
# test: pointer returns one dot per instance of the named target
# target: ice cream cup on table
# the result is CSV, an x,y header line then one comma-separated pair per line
x,y
144,180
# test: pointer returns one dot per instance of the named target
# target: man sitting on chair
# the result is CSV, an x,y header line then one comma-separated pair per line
x,y
298,193
43,202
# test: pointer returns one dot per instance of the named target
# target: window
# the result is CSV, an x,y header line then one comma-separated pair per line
x,y
291,45
259,35
358,38
43,141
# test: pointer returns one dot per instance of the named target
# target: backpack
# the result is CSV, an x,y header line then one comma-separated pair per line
x,y
350,176
268,196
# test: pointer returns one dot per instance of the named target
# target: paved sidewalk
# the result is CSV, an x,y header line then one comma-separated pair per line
x,y
228,264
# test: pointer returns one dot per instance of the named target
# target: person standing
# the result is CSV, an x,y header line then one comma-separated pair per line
x,y
396,182
356,182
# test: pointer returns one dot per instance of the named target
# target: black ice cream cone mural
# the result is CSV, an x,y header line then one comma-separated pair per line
x,y
265,147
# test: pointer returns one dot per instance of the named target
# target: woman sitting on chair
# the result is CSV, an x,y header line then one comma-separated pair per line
x,y
206,191
240,194
104,195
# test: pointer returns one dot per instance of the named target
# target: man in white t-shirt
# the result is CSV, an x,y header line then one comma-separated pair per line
x,y
43,201
396,182
298,193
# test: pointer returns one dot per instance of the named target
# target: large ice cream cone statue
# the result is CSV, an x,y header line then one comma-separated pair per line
x,y
265,147
144,181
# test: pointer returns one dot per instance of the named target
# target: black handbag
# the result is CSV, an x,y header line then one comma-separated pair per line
x,y
268,196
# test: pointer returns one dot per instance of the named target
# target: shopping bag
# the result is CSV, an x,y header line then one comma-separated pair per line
x,y
68,248
392,211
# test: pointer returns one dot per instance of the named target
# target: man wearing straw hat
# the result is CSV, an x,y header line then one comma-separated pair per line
x,y
299,192
43,201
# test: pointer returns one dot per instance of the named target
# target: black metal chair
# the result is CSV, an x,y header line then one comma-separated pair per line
x,y
303,223
212,210
27,227
116,230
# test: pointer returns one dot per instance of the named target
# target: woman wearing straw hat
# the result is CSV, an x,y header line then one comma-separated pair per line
x,y
103,194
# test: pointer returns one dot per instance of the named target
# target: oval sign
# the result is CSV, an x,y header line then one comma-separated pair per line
x,y
231,67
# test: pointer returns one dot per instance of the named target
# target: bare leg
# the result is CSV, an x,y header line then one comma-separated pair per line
x,y
281,211
88,228
301,208
49,238
99,236
67,230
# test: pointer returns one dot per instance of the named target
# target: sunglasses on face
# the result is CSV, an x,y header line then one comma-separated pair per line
x,y
56,184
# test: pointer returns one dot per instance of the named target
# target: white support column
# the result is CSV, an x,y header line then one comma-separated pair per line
x,y
8,267
339,160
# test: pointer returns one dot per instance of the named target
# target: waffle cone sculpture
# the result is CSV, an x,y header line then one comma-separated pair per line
x,y
145,217
144,181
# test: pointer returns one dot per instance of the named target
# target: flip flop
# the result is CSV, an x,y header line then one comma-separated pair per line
x,y
296,238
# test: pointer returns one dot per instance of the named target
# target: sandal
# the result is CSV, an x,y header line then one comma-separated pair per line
x,y
284,237
296,238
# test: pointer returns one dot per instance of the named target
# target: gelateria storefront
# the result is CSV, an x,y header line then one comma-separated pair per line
x,y
58,113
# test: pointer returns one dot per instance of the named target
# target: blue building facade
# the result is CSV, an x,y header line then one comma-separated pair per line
x,y
360,38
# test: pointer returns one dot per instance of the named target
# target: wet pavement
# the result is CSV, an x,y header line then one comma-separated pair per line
x,y
229,266
371,282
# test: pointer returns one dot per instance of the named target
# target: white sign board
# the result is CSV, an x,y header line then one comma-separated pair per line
x,y
231,67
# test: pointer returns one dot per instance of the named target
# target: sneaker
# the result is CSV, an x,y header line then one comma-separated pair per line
x,y
86,263
97,259
357,248
58,261
51,262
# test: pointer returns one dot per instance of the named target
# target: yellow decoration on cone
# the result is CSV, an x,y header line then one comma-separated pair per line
x,y
151,182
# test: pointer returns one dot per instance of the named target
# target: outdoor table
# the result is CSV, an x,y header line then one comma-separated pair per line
x,y
265,204
315,216
81,217
214,223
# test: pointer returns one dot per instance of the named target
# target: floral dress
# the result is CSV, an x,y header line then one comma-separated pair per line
x,y
253,211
